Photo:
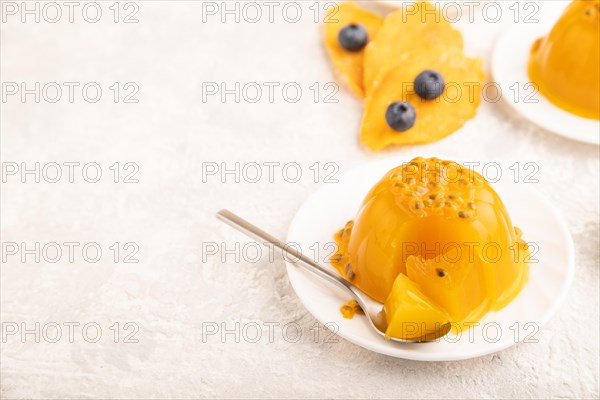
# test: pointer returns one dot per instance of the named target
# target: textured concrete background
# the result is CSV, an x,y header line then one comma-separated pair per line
x,y
175,287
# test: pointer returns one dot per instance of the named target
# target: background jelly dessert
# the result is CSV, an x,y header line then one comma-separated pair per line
x,y
565,65
442,226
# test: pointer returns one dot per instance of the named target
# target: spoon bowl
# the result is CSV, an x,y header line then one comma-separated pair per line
x,y
373,310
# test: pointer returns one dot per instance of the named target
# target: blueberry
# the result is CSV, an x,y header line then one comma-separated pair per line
x,y
400,116
353,37
429,84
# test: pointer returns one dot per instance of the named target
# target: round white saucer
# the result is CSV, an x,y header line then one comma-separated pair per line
x,y
328,209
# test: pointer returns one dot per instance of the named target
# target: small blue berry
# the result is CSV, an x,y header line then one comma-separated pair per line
x,y
429,84
353,37
400,116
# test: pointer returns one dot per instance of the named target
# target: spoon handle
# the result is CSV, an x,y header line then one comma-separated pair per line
x,y
296,256
377,321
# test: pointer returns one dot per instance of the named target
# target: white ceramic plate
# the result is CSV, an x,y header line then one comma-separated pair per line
x,y
509,68
334,204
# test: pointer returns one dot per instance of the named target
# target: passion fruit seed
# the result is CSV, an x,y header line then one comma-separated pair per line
x,y
422,185
421,190
438,203
440,272
400,116
451,206
336,258
353,37
429,84
349,273
398,185
464,214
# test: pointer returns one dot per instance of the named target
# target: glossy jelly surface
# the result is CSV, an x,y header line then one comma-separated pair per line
x,y
444,227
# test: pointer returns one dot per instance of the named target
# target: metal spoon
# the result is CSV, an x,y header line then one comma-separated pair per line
x,y
373,310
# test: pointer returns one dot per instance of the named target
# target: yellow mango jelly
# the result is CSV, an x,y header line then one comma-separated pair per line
x,y
410,314
443,226
565,65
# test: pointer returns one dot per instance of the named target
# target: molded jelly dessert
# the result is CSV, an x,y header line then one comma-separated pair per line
x,y
565,65
443,227
438,114
345,25
413,27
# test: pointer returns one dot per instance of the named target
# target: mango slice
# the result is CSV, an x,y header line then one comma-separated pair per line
x,y
461,289
412,27
565,65
349,64
428,218
435,118
410,315
468,290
